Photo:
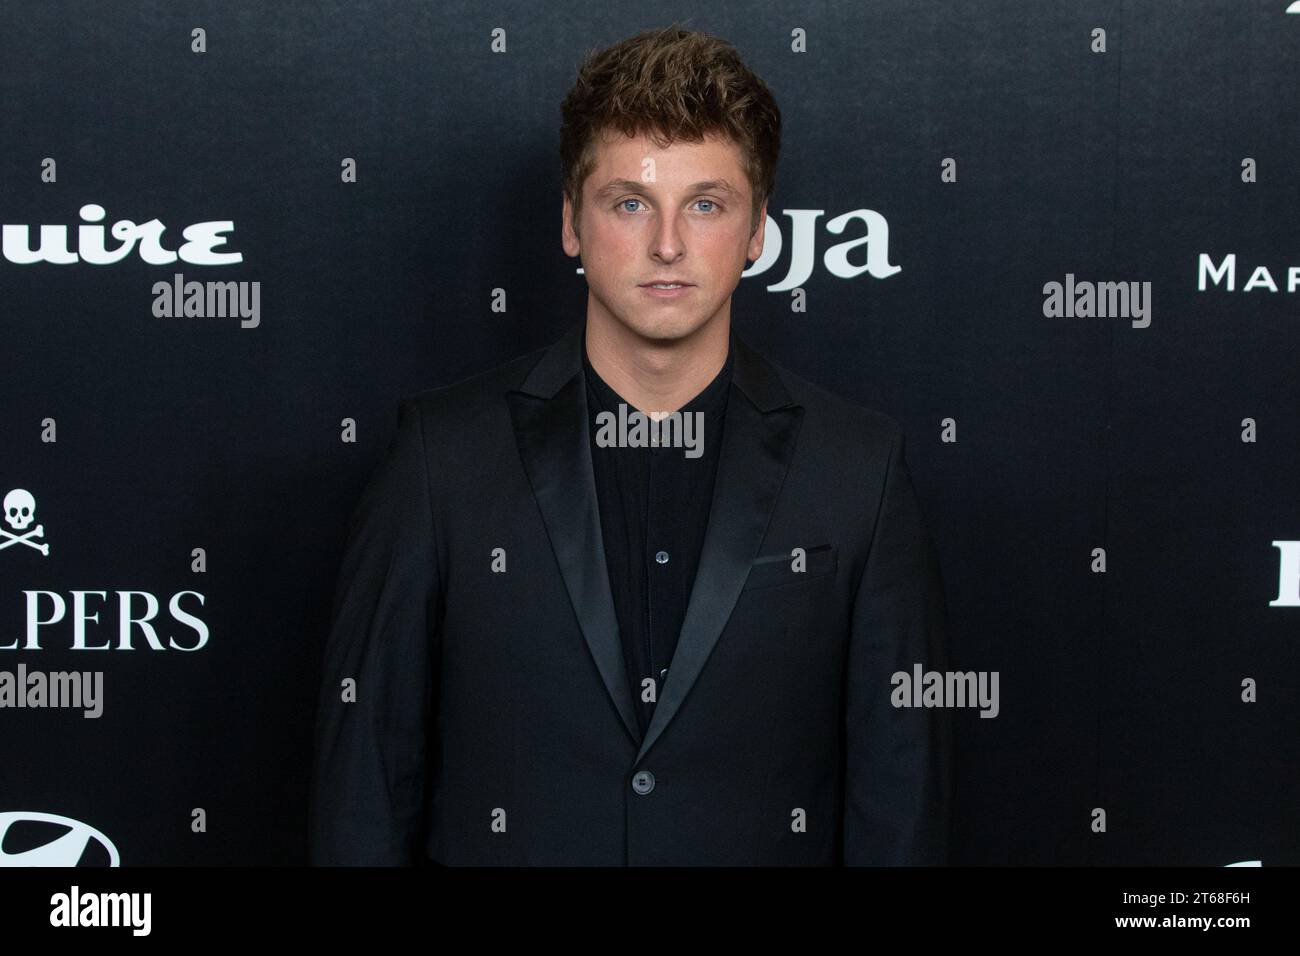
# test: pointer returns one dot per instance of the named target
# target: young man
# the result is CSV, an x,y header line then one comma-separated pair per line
x,y
556,642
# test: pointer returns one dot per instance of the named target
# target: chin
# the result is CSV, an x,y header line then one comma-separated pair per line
x,y
666,331
666,325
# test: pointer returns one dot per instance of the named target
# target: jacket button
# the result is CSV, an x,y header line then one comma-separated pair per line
x,y
643,782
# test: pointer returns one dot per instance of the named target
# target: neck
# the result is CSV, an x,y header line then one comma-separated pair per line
x,y
657,375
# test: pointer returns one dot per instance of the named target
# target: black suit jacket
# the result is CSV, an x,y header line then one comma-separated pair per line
x,y
492,721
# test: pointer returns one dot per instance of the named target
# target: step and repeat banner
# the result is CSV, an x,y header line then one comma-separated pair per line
x,y
1059,242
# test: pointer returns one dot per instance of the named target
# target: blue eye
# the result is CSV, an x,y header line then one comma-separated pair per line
x,y
622,204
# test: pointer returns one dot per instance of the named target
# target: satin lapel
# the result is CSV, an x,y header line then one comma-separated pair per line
x,y
551,428
758,441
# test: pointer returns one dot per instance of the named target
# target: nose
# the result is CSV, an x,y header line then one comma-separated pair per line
x,y
666,243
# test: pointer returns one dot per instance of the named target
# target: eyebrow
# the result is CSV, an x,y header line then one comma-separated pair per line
x,y
632,186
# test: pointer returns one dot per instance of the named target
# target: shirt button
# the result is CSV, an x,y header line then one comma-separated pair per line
x,y
643,782
662,557
663,674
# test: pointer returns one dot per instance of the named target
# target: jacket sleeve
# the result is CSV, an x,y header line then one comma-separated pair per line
x,y
897,774
368,782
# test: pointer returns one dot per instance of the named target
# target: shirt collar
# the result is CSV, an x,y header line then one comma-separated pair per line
x,y
711,400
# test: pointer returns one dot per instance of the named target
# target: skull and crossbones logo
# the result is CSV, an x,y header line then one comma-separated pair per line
x,y
20,510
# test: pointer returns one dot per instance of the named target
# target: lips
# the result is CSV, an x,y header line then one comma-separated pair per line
x,y
673,292
646,285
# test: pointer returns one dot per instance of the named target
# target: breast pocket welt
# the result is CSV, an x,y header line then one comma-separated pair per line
x,y
779,570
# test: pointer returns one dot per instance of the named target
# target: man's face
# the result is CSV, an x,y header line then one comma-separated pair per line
x,y
681,213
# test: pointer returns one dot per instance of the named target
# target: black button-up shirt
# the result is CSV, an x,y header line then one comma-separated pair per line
x,y
654,508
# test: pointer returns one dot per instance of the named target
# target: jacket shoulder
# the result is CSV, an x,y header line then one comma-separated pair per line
x,y
836,415
478,389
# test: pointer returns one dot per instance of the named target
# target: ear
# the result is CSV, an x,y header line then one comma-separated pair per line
x,y
569,229
756,239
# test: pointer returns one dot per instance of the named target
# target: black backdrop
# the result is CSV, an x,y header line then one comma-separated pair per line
x,y
1120,690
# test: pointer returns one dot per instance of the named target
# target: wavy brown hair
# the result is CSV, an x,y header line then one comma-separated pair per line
x,y
670,84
